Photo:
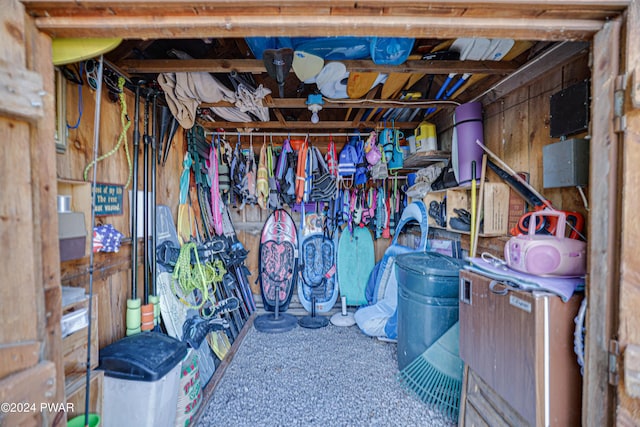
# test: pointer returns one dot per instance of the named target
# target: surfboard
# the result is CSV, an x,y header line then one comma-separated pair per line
x,y
356,258
278,260
318,272
69,50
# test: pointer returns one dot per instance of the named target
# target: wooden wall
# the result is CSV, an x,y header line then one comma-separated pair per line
x,y
30,356
112,277
516,128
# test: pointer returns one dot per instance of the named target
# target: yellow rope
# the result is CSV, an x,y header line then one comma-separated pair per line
x,y
196,277
126,123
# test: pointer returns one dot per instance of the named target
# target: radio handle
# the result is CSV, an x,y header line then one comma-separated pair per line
x,y
560,226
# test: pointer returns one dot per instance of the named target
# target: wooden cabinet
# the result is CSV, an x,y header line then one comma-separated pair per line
x,y
518,347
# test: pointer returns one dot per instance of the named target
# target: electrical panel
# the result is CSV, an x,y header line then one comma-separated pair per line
x,y
566,163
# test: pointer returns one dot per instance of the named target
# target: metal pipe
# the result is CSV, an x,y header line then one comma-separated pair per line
x,y
286,134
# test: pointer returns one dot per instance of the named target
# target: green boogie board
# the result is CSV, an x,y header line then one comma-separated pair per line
x,y
356,259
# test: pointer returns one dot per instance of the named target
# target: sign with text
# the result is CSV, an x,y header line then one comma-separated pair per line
x,y
109,199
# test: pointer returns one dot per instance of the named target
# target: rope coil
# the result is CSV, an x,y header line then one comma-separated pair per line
x,y
197,277
126,124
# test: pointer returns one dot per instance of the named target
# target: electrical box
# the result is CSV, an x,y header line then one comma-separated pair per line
x,y
569,110
566,163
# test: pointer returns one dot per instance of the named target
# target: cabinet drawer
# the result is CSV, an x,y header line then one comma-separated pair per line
x,y
521,345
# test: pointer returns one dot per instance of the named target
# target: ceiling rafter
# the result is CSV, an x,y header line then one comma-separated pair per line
x,y
143,66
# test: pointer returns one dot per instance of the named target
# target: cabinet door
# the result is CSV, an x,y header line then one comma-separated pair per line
x,y
498,340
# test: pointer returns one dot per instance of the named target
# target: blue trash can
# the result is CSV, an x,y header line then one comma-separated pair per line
x,y
428,292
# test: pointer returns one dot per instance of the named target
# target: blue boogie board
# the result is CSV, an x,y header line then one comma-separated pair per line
x,y
356,259
318,273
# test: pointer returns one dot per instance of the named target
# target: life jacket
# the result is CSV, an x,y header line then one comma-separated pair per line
x,y
332,161
273,199
324,184
347,163
186,218
216,200
390,140
238,169
262,182
224,154
301,171
248,183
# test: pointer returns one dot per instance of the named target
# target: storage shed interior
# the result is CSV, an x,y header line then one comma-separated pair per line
x,y
169,80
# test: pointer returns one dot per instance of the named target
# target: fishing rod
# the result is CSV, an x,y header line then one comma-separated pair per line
x,y
96,139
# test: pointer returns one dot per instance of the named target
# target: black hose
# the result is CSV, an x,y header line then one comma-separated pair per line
x,y
154,228
145,206
134,196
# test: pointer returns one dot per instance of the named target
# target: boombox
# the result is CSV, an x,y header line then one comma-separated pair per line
x,y
544,255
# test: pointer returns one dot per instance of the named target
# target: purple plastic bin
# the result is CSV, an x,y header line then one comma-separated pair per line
x,y
468,119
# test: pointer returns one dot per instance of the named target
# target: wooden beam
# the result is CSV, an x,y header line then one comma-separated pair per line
x,y
604,229
268,100
134,25
628,125
294,103
146,66
302,125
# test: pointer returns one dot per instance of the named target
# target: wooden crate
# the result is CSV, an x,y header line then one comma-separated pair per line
x,y
437,196
74,346
494,207
75,392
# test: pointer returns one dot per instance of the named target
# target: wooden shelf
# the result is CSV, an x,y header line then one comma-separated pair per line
x,y
80,192
421,159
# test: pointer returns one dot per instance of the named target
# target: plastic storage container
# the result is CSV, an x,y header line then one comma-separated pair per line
x,y
142,377
428,291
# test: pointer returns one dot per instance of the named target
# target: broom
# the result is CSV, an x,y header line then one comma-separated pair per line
x,y
435,376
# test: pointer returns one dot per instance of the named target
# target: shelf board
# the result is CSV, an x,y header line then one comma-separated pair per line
x,y
421,159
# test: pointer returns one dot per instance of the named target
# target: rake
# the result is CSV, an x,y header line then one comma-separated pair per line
x,y
435,376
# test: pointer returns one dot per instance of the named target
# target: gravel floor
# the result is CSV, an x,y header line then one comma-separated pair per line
x,y
332,376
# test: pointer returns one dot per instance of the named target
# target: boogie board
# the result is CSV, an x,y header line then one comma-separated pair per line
x,y
278,260
356,258
317,267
